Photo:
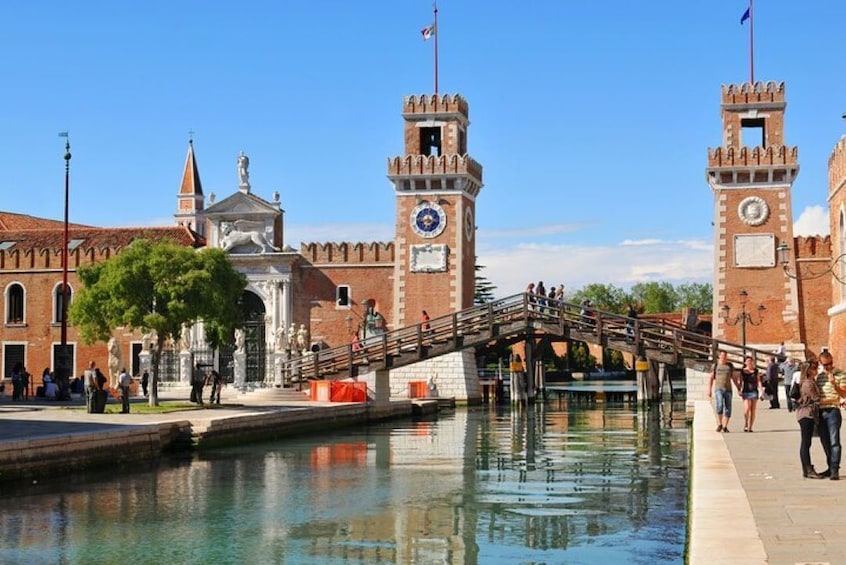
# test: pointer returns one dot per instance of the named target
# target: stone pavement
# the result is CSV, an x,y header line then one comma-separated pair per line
x,y
749,501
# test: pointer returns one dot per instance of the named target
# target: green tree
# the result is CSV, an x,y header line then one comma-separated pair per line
x,y
484,291
606,297
159,286
654,297
696,295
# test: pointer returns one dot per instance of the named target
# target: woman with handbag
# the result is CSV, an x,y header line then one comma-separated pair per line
x,y
807,413
751,391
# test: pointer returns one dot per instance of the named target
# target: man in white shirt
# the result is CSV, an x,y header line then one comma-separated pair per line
x,y
124,380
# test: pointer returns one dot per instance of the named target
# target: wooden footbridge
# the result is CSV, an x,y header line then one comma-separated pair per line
x,y
522,317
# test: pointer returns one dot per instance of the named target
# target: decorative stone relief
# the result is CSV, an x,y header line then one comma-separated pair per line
x,y
753,211
429,258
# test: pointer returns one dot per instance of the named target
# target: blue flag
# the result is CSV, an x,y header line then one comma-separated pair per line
x,y
746,15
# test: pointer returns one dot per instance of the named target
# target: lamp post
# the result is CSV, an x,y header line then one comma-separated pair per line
x,y
743,318
836,267
63,355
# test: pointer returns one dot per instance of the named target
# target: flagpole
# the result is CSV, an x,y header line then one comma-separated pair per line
x,y
437,33
751,42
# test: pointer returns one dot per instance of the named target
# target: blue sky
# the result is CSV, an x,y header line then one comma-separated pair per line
x,y
592,120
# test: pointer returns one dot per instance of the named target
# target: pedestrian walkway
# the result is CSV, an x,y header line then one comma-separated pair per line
x,y
741,476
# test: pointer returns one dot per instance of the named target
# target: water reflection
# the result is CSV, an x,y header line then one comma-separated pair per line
x,y
544,485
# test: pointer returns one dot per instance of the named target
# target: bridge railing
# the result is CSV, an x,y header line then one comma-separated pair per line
x,y
518,311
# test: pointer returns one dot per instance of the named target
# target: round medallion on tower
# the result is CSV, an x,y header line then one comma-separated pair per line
x,y
428,219
753,211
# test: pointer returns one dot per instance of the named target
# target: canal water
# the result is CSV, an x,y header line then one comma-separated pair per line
x,y
541,485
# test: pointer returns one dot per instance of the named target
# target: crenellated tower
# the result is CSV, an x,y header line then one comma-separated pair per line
x,y
837,220
190,200
435,184
752,175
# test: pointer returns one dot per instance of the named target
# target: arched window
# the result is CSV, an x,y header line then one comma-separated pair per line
x,y
15,304
58,301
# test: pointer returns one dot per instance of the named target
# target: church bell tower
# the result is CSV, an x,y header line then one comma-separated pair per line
x,y
435,184
752,175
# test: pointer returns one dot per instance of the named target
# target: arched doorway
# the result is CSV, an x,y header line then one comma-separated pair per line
x,y
254,339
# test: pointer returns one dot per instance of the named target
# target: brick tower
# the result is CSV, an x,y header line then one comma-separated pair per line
x,y
837,211
435,184
189,201
752,175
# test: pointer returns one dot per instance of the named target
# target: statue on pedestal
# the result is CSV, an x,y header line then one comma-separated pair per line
x,y
114,361
185,338
292,337
240,338
243,172
302,339
280,342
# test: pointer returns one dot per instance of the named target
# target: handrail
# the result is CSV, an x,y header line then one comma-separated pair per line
x,y
508,317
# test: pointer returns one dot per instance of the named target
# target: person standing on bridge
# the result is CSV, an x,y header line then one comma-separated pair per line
x,y
723,376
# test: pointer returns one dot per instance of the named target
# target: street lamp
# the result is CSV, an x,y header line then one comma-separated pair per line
x,y
743,318
63,355
783,251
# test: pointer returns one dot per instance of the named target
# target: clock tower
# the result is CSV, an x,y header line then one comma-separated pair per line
x,y
751,175
435,184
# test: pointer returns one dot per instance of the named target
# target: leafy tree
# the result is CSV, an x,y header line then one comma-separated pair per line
x,y
606,297
159,286
484,291
654,297
696,295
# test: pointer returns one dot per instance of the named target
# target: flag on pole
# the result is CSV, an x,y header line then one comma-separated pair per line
x,y
63,134
746,15
428,32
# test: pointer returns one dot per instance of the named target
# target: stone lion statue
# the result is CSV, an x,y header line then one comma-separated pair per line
x,y
244,232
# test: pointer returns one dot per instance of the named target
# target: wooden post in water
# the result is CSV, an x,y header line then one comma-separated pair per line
x,y
642,369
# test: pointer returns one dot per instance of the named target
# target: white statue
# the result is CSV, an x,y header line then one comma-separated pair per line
x,y
242,232
280,339
147,340
243,172
240,336
185,338
114,360
292,337
302,338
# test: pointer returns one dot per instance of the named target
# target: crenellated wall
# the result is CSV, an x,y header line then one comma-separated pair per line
x,y
348,253
837,167
752,156
35,259
435,104
434,165
749,93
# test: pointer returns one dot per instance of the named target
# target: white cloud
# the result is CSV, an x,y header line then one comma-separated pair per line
x,y
813,220
534,231
512,268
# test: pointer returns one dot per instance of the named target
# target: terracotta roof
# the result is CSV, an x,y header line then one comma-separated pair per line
x,y
11,221
98,237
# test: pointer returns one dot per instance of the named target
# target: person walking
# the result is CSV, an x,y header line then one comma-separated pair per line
x,y
723,376
198,380
832,385
751,391
807,414
790,370
90,388
771,383
124,381
217,385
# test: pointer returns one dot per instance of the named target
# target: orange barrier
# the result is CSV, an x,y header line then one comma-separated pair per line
x,y
418,389
348,392
338,391
320,391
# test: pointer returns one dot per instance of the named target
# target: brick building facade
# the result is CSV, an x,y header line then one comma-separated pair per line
x,y
329,291
755,250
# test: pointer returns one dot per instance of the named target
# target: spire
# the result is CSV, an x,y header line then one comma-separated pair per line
x,y
190,200
191,185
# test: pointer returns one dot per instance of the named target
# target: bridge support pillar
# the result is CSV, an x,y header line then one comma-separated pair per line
x,y
648,381
382,387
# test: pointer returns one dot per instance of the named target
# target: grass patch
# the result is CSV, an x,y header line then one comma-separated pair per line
x,y
164,407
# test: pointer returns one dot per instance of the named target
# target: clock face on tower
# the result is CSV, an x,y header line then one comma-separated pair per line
x,y
428,220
